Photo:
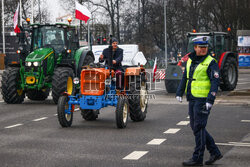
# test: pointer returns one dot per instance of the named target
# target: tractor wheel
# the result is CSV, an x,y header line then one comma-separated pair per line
x,y
138,101
62,81
89,115
38,94
122,110
171,85
11,86
229,75
64,119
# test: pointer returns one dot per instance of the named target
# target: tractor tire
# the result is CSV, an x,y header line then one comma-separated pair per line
x,y
11,86
171,85
38,94
121,113
62,81
89,115
229,75
64,119
138,101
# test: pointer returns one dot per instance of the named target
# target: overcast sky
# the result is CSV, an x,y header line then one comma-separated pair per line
x,y
55,9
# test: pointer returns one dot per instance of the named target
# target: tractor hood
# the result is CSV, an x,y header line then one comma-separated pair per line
x,y
39,54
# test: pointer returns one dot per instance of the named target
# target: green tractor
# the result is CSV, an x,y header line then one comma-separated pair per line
x,y
52,61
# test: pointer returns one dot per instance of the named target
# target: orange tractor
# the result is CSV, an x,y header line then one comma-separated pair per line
x,y
98,90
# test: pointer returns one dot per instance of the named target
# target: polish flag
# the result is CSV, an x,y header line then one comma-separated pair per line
x,y
16,28
82,13
154,69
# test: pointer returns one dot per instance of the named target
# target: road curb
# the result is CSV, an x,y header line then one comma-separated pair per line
x,y
244,92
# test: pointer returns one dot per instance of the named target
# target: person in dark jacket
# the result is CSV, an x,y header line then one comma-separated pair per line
x,y
116,54
200,81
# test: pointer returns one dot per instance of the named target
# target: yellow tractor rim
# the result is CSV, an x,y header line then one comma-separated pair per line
x,y
143,97
125,112
19,92
69,85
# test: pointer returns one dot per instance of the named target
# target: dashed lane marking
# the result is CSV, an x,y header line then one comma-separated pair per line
x,y
183,123
39,119
245,120
156,142
172,131
55,114
12,126
135,155
243,83
234,144
188,117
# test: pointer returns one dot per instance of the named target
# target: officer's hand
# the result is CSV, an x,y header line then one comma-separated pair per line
x,y
114,62
208,106
179,99
101,56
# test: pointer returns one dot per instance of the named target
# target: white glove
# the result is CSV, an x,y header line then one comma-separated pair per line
x,y
208,106
179,99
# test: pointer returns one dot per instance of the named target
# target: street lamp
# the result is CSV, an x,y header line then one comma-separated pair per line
x,y
165,30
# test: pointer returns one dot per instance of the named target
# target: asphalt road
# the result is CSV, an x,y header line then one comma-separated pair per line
x,y
31,136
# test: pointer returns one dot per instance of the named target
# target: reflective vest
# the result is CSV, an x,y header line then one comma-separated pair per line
x,y
200,83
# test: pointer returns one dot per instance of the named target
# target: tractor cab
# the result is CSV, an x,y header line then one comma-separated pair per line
x,y
62,38
219,42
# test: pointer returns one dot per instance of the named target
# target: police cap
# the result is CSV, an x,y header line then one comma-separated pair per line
x,y
201,40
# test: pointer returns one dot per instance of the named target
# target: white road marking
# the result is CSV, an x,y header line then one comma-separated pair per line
x,y
12,126
39,119
233,144
188,117
239,143
135,155
1,101
156,142
245,120
172,131
243,83
55,114
183,123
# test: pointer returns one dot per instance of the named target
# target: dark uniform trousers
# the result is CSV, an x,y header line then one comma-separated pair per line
x,y
198,121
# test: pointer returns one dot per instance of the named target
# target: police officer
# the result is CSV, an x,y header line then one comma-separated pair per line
x,y
200,81
116,54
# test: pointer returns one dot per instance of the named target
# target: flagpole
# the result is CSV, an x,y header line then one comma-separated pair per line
x,y
21,24
3,26
32,11
88,31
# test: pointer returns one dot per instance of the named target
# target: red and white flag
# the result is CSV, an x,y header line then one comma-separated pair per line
x,y
154,69
16,28
82,13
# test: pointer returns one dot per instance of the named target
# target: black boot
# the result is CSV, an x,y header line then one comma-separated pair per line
x,y
191,162
213,158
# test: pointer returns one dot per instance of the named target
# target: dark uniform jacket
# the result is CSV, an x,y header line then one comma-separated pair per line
x,y
212,72
117,55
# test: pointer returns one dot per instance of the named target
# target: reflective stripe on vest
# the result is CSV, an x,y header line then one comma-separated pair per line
x,y
200,84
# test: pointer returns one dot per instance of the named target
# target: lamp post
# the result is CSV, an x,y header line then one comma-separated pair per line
x,y
165,30
3,26
89,42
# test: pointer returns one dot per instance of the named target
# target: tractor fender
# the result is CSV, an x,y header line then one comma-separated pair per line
x,y
132,71
224,56
82,56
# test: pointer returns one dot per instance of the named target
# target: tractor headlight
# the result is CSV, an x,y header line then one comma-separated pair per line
x,y
36,64
108,82
76,81
28,64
